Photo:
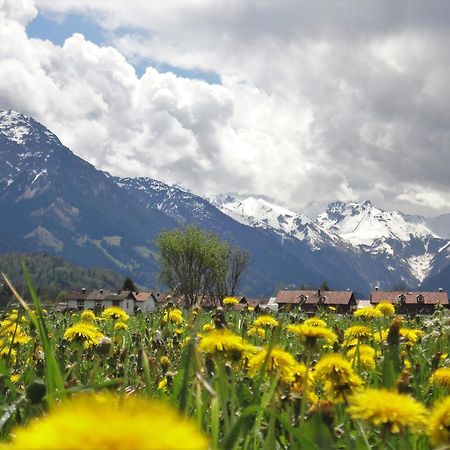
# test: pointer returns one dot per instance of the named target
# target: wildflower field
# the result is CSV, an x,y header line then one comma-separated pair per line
x,y
224,379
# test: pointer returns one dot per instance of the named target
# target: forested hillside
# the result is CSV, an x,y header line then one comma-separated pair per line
x,y
51,274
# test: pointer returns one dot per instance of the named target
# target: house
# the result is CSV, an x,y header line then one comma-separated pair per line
x,y
312,300
100,299
411,302
145,301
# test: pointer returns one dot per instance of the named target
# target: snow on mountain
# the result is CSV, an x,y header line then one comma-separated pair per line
x,y
364,224
404,238
20,129
259,213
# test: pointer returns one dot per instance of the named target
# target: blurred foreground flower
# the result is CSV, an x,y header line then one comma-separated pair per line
x,y
388,409
96,421
439,424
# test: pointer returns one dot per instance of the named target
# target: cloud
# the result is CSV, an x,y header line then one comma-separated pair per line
x,y
315,104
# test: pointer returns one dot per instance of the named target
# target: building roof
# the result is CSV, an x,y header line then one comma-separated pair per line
x,y
98,295
429,298
143,296
312,297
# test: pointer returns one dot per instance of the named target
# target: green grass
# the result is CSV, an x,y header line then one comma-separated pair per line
x,y
233,409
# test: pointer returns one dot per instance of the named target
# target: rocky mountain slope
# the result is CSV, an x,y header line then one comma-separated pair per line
x,y
54,201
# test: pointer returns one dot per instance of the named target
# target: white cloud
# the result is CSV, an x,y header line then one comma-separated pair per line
x,y
315,104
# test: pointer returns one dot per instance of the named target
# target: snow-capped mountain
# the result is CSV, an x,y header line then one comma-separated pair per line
x,y
404,239
257,212
54,201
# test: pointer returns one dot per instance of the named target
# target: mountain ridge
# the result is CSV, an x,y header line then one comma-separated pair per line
x,y
57,202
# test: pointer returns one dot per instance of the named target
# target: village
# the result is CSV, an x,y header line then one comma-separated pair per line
x,y
308,301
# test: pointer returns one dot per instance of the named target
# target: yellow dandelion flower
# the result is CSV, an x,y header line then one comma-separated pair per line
x,y
381,335
162,385
365,354
173,316
208,327
88,315
441,377
120,326
265,321
439,424
83,332
312,333
381,407
337,375
315,322
256,332
357,332
280,363
299,371
115,313
230,301
222,341
386,308
411,335
153,426
15,377
250,308
368,312
249,350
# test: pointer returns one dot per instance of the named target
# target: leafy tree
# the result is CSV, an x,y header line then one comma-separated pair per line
x,y
196,262
324,286
128,285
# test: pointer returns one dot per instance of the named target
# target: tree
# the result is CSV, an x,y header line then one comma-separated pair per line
x,y
324,286
195,262
128,285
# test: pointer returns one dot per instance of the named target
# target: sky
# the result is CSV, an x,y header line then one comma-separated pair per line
x,y
302,103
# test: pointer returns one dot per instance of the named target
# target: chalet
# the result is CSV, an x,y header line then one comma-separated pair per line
x,y
99,299
411,302
310,301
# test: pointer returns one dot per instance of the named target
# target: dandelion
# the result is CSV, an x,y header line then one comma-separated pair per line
x,y
88,315
280,363
120,326
368,312
315,322
115,313
222,341
382,407
256,332
357,332
312,333
154,426
265,321
208,327
411,335
173,316
230,301
337,374
386,308
441,377
83,332
364,354
439,424
162,385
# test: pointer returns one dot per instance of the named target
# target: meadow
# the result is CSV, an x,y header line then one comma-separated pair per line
x,y
224,379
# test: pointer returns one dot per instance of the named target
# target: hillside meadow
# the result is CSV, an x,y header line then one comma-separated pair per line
x,y
224,379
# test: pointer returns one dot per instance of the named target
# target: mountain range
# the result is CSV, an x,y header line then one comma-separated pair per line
x,y
51,200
